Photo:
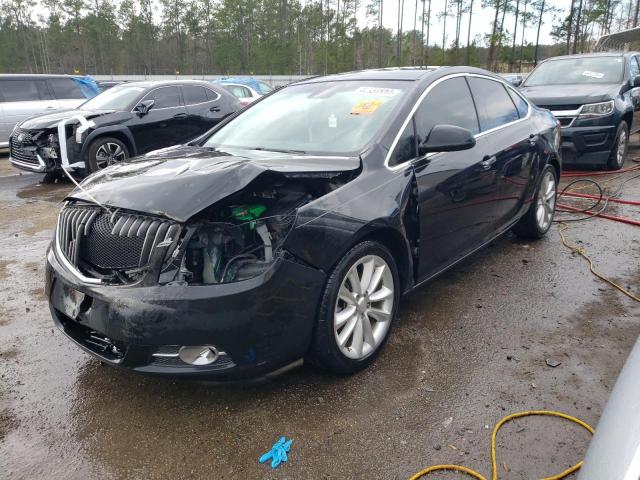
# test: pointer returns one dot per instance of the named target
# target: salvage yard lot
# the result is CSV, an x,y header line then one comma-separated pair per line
x,y
467,349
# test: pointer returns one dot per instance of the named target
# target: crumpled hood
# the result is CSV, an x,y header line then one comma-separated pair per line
x,y
52,119
179,182
548,95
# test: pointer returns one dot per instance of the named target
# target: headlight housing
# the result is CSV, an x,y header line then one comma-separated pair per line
x,y
596,109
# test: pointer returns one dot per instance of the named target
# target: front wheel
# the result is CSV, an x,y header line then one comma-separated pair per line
x,y
537,221
105,151
357,310
619,151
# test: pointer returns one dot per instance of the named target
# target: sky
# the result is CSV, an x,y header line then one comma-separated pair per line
x,y
482,19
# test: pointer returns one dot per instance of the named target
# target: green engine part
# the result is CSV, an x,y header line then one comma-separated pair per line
x,y
247,213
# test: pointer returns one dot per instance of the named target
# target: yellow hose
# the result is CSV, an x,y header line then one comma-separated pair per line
x,y
494,434
580,250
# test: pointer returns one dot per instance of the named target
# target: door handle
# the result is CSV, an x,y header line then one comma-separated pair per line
x,y
533,140
51,108
487,162
214,109
180,115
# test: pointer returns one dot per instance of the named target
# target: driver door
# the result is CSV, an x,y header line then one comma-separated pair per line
x,y
455,189
165,124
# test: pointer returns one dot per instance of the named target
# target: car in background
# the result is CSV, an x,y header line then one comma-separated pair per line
x,y
514,79
124,121
107,84
23,96
292,229
246,89
596,98
614,451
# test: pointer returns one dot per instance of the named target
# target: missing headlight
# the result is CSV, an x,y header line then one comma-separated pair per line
x,y
244,243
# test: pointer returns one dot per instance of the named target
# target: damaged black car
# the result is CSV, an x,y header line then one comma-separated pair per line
x,y
292,230
126,120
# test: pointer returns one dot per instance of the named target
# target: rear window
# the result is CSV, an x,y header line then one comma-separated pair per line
x,y
24,90
65,88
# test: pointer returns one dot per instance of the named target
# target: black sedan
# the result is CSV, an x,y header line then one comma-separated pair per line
x,y
124,121
292,230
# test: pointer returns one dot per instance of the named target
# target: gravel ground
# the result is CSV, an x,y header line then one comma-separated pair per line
x,y
467,349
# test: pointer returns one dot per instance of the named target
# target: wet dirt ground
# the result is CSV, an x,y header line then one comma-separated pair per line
x,y
467,349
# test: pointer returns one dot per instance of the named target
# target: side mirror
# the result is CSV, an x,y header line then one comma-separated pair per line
x,y
635,81
516,82
143,107
447,138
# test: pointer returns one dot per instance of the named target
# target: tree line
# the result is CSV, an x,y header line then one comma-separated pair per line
x,y
290,36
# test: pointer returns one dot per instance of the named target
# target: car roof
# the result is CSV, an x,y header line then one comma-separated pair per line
x,y
166,83
591,55
397,73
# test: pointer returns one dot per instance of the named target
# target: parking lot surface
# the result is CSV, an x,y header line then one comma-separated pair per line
x,y
467,349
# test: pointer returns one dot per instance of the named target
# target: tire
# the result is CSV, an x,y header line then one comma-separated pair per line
x,y
538,219
620,147
105,151
352,356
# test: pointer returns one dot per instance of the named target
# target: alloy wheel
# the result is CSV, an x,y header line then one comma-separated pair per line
x,y
622,147
364,307
546,201
109,153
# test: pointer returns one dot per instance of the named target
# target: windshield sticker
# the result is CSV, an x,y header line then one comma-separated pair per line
x,y
378,92
366,107
588,73
333,121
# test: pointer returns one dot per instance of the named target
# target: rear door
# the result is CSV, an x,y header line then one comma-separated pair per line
x,y
454,188
205,108
67,92
23,98
165,124
509,147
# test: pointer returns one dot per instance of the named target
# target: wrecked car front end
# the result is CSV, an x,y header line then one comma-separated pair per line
x,y
203,283
35,145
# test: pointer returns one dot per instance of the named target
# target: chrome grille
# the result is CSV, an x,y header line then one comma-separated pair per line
x,y
22,147
91,236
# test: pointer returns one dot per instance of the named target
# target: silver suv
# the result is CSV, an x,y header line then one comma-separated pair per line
x,y
23,96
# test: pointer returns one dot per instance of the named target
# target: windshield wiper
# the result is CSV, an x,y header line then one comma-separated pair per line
x,y
301,152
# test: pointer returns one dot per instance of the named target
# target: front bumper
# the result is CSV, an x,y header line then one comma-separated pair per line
x,y
589,145
39,167
262,324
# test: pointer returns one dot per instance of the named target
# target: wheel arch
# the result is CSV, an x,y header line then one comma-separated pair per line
x,y
119,132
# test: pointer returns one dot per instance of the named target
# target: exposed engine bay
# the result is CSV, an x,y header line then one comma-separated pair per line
x,y
241,237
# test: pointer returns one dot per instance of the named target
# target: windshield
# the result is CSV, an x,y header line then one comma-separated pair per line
x,y
117,98
335,118
567,71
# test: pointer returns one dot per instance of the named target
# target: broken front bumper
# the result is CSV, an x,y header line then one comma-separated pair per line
x,y
262,324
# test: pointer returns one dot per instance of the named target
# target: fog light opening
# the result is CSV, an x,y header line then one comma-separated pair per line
x,y
199,355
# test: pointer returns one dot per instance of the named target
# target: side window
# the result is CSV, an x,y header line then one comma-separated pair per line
x,y
193,94
211,95
406,147
24,90
239,91
634,68
65,88
448,103
494,104
165,97
264,88
521,104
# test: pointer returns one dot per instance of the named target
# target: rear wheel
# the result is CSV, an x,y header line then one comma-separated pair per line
x,y
537,221
619,151
357,310
105,151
